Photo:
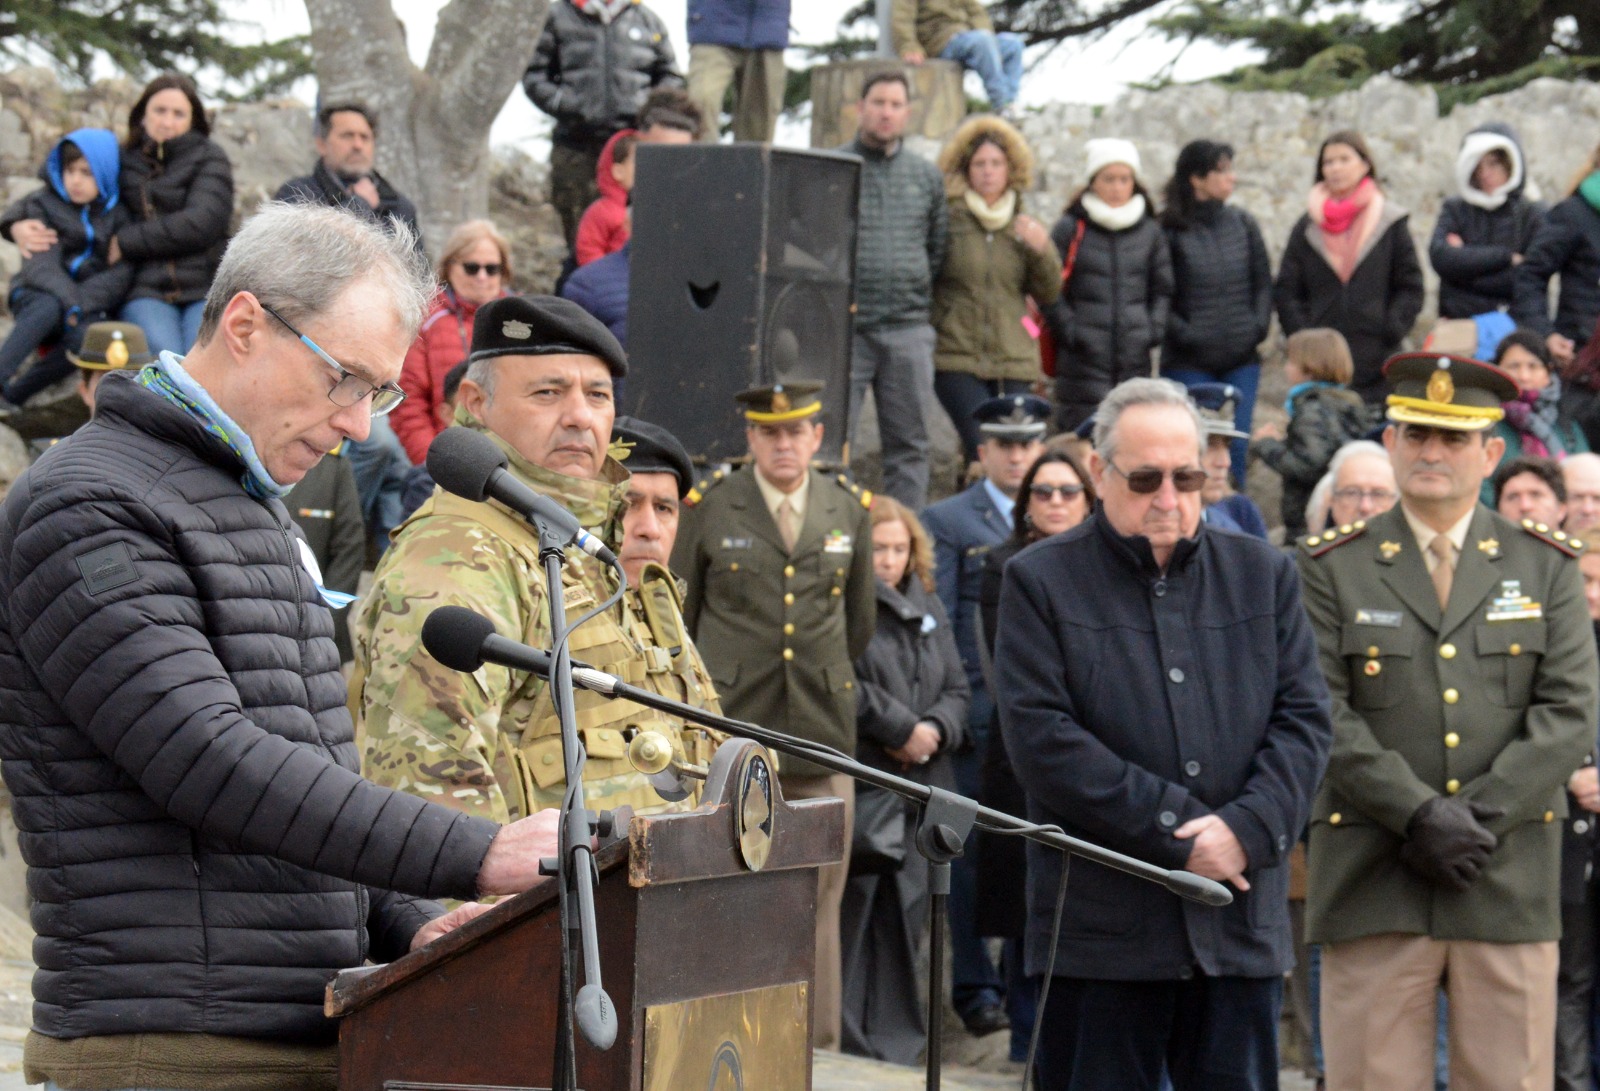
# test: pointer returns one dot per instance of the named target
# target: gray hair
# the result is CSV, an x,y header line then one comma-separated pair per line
x,y
1134,392
300,258
481,373
1321,498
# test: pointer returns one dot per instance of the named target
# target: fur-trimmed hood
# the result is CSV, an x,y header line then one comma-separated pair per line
x,y
1478,143
1002,133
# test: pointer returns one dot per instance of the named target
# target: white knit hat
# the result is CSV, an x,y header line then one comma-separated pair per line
x,y
1108,150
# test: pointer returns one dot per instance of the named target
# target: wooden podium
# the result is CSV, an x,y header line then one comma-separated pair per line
x,y
707,923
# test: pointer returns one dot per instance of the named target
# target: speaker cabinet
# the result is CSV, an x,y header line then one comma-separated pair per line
x,y
742,274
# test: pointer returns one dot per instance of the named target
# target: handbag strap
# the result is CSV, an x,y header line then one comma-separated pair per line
x,y
1072,254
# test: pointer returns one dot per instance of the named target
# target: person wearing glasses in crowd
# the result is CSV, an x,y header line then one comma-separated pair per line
x,y
1055,497
1461,662
474,269
1358,485
174,707
1162,679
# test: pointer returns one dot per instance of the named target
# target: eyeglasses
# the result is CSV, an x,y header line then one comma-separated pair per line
x,y
1050,492
349,389
473,268
1353,495
1188,479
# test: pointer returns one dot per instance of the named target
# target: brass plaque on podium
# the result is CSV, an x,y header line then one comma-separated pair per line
x,y
757,1040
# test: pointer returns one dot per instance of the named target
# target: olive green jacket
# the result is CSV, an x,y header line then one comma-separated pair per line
x,y
779,631
978,300
929,25
1493,701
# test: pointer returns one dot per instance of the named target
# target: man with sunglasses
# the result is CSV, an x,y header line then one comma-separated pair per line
x,y
202,852
1461,661
1159,693
965,527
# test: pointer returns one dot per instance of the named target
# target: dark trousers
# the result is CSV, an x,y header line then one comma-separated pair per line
x,y
1210,1033
974,980
1575,997
572,185
39,318
960,393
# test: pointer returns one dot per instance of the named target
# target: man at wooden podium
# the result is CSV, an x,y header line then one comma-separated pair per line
x,y
539,384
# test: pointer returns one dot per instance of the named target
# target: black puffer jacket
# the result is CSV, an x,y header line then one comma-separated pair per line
x,y
1112,313
1222,290
182,193
1479,276
1374,309
592,76
320,187
173,730
1321,420
1568,243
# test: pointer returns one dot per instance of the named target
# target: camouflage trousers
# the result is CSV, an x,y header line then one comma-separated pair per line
x,y
572,186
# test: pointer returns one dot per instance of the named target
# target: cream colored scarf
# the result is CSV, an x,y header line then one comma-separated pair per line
x,y
996,216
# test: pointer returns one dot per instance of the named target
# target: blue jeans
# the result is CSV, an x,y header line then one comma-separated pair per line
x,y
169,327
1247,377
38,318
996,58
961,392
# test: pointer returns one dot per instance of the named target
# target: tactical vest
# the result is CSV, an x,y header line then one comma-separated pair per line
x,y
640,641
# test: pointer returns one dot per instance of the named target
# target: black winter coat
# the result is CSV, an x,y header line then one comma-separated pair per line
x,y
1001,861
1112,312
1133,700
1322,421
910,671
1478,276
592,77
1567,243
96,288
182,194
320,187
1222,290
1374,310
174,735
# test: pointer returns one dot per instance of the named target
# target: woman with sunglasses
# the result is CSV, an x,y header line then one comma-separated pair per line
x,y
1056,495
475,268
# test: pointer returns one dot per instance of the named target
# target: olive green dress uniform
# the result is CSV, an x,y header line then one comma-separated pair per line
x,y
1490,699
780,630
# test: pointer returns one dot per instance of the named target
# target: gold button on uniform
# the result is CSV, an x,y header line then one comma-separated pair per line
x,y
1515,649
788,628
837,592
1372,667
1452,786
788,570
549,759
734,567
1452,740
1549,816
1447,651
788,598
788,653
1335,818
1451,696
1372,652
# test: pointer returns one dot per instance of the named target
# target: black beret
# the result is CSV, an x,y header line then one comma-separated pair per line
x,y
653,450
543,325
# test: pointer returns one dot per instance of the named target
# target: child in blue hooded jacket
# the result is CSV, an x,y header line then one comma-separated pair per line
x,y
59,292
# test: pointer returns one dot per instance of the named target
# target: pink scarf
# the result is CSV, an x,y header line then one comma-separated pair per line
x,y
1347,223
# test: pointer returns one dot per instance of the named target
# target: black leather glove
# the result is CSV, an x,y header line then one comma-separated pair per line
x,y
1446,842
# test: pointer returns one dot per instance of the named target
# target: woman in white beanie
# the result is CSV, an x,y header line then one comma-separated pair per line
x,y
1350,263
1116,282
1484,230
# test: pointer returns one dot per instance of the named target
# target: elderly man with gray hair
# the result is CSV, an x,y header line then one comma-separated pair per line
x,y
1162,678
202,853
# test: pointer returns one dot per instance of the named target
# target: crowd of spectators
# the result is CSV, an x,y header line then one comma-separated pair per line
x,y
1095,548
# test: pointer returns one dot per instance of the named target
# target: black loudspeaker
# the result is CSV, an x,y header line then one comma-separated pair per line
x,y
742,274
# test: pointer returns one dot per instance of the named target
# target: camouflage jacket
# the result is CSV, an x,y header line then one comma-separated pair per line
x,y
489,742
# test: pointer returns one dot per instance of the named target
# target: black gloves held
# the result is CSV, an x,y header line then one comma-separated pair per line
x,y
1446,842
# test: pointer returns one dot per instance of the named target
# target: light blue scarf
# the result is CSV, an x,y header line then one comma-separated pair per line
x,y
168,378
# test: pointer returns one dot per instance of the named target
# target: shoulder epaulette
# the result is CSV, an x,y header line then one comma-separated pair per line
x,y
1556,539
863,495
703,486
1333,538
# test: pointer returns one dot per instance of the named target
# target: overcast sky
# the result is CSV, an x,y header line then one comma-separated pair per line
x,y
1093,73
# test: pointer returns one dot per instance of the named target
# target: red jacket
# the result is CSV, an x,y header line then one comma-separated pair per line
x,y
604,227
441,344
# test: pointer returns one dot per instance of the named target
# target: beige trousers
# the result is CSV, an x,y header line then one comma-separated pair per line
x,y
1379,1004
825,1003
757,76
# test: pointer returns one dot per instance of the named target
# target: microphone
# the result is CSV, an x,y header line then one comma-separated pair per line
x,y
465,640
469,465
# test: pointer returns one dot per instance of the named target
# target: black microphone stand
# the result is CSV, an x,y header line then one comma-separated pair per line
x,y
574,868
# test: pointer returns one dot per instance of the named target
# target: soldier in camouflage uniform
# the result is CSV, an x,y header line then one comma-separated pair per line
x,y
539,385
